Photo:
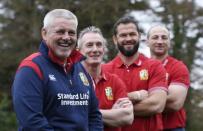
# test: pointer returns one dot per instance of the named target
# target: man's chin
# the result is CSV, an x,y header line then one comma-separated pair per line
x,y
128,48
63,55
95,63
160,53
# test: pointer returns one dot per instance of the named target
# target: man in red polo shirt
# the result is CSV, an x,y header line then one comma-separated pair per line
x,y
139,73
174,116
115,106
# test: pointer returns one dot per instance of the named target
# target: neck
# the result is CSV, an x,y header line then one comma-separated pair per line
x,y
60,61
159,57
93,70
129,60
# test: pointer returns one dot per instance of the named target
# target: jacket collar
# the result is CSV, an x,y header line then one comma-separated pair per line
x,y
74,57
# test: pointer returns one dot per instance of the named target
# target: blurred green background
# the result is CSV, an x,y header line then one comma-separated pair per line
x,y
21,22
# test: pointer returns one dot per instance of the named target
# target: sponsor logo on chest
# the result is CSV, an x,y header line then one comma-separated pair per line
x,y
109,93
144,75
84,79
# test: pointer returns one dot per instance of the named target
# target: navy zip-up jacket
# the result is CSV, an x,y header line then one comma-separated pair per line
x,y
47,97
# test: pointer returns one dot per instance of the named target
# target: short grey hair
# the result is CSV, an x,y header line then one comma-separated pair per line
x,y
159,25
91,29
58,13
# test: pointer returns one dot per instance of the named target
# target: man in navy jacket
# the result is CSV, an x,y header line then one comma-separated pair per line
x,y
51,90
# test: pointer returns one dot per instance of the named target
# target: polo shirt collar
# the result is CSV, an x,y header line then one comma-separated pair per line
x,y
137,62
165,61
103,76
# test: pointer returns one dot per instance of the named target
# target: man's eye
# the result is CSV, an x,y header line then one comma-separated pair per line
x,y
99,44
155,37
60,32
71,33
133,34
123,35
164,37
89,45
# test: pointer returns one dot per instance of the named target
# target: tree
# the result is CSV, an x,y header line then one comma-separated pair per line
x,y
19,36
21,22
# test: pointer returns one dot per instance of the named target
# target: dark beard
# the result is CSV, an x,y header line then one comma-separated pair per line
x,y
128,53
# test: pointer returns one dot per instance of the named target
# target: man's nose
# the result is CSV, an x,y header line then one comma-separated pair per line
x,y
66,36
159,40
94,47
128,37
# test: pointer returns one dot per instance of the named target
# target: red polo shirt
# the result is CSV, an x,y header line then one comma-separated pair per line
x,y
177,73
108,90
145,74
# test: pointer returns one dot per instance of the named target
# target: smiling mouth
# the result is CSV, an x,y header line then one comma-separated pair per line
x,y
66,44
128,43
160,47
95,56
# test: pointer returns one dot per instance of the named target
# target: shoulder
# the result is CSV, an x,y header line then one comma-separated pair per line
x,y
114,79
154,67
107,67
176,64
28,62
147,60
116,83
110,63
110,76
172,60
152,63
178,72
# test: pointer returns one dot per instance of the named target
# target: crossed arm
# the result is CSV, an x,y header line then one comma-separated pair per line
x,y
174,100
150,104
120,114
176,97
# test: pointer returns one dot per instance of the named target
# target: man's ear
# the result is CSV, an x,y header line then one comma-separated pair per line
x,y
147,42
170,44
43,33
114,40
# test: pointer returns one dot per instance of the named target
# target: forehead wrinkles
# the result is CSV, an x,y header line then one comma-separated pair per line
x,y
92,37
159,31
127,27
63,23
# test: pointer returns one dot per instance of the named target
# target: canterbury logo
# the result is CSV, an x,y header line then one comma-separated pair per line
x,y
52,77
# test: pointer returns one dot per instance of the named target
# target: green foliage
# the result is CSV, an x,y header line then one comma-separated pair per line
x,y
7,117
21,22
19,35
20,26
181,16
194,110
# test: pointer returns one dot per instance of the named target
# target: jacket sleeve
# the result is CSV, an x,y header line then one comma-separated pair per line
x,y
27,95
95,116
